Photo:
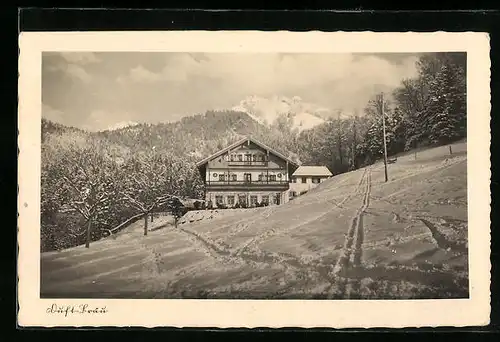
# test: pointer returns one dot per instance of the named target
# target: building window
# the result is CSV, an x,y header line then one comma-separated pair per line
x,y
254,157
218,199
304,180
272,178
261,178
253,200
248,177
230,200
265,199
221,177
248,157
315,180
232,157
292,193
242,199
240,157
233,177
294,180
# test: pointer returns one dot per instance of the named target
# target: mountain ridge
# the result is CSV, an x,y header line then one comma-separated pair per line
x,y
268,110
193,137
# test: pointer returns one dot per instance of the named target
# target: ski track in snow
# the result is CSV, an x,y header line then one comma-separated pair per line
x,y
343,277
259,258
350,257
244,224
276,232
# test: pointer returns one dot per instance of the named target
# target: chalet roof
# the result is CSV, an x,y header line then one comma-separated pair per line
x,y
240,142
312,171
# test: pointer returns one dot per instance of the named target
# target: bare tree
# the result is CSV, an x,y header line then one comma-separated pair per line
x,y
152,180
354,143
339,138
87,181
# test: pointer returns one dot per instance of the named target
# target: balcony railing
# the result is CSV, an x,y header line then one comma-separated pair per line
x,y
247,183
247,163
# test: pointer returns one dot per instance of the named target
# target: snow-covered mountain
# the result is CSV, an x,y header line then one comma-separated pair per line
x,y
121,125
303,115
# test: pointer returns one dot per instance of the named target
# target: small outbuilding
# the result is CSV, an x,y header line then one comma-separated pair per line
x,y
306,178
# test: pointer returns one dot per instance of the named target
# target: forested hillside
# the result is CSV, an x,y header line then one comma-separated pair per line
x,y
97,181
427,110
198,136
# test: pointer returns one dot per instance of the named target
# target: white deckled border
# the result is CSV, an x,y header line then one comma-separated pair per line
x,y
258,313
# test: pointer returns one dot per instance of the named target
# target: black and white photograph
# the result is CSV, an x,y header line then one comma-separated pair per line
x,y
254,175
205,175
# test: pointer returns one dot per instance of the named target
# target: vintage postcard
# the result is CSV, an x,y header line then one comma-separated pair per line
x,y
254,179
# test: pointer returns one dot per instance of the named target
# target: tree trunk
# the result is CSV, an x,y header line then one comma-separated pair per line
x,y
89,227
353,155
146,224
339,140
340,155
450,150
175,221
152,217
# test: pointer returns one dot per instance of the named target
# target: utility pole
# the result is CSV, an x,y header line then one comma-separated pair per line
x,y
383,126
354,142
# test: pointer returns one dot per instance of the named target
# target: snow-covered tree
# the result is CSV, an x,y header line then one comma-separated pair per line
x,y
446,114
433,104
149,182
78,178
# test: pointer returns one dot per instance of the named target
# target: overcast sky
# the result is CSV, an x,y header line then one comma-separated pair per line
x,y
97,90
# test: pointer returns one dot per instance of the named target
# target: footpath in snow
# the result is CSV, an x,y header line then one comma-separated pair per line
x,y
354,236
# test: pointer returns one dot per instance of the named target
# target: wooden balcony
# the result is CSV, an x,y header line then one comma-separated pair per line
x,y
267,185
247,163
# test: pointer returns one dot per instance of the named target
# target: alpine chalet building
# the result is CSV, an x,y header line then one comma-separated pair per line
x,y
246,173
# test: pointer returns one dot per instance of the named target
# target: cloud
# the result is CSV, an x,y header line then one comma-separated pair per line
x,y
179,69
72,64
99,90
52,114
71,70
80,57
141,74
78,72
320,75
105,119
294,72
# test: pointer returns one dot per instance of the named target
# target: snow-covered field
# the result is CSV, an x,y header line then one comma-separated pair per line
x,y
354,236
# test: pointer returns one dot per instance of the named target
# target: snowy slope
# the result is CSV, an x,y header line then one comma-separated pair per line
x,y
268,110
354,236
